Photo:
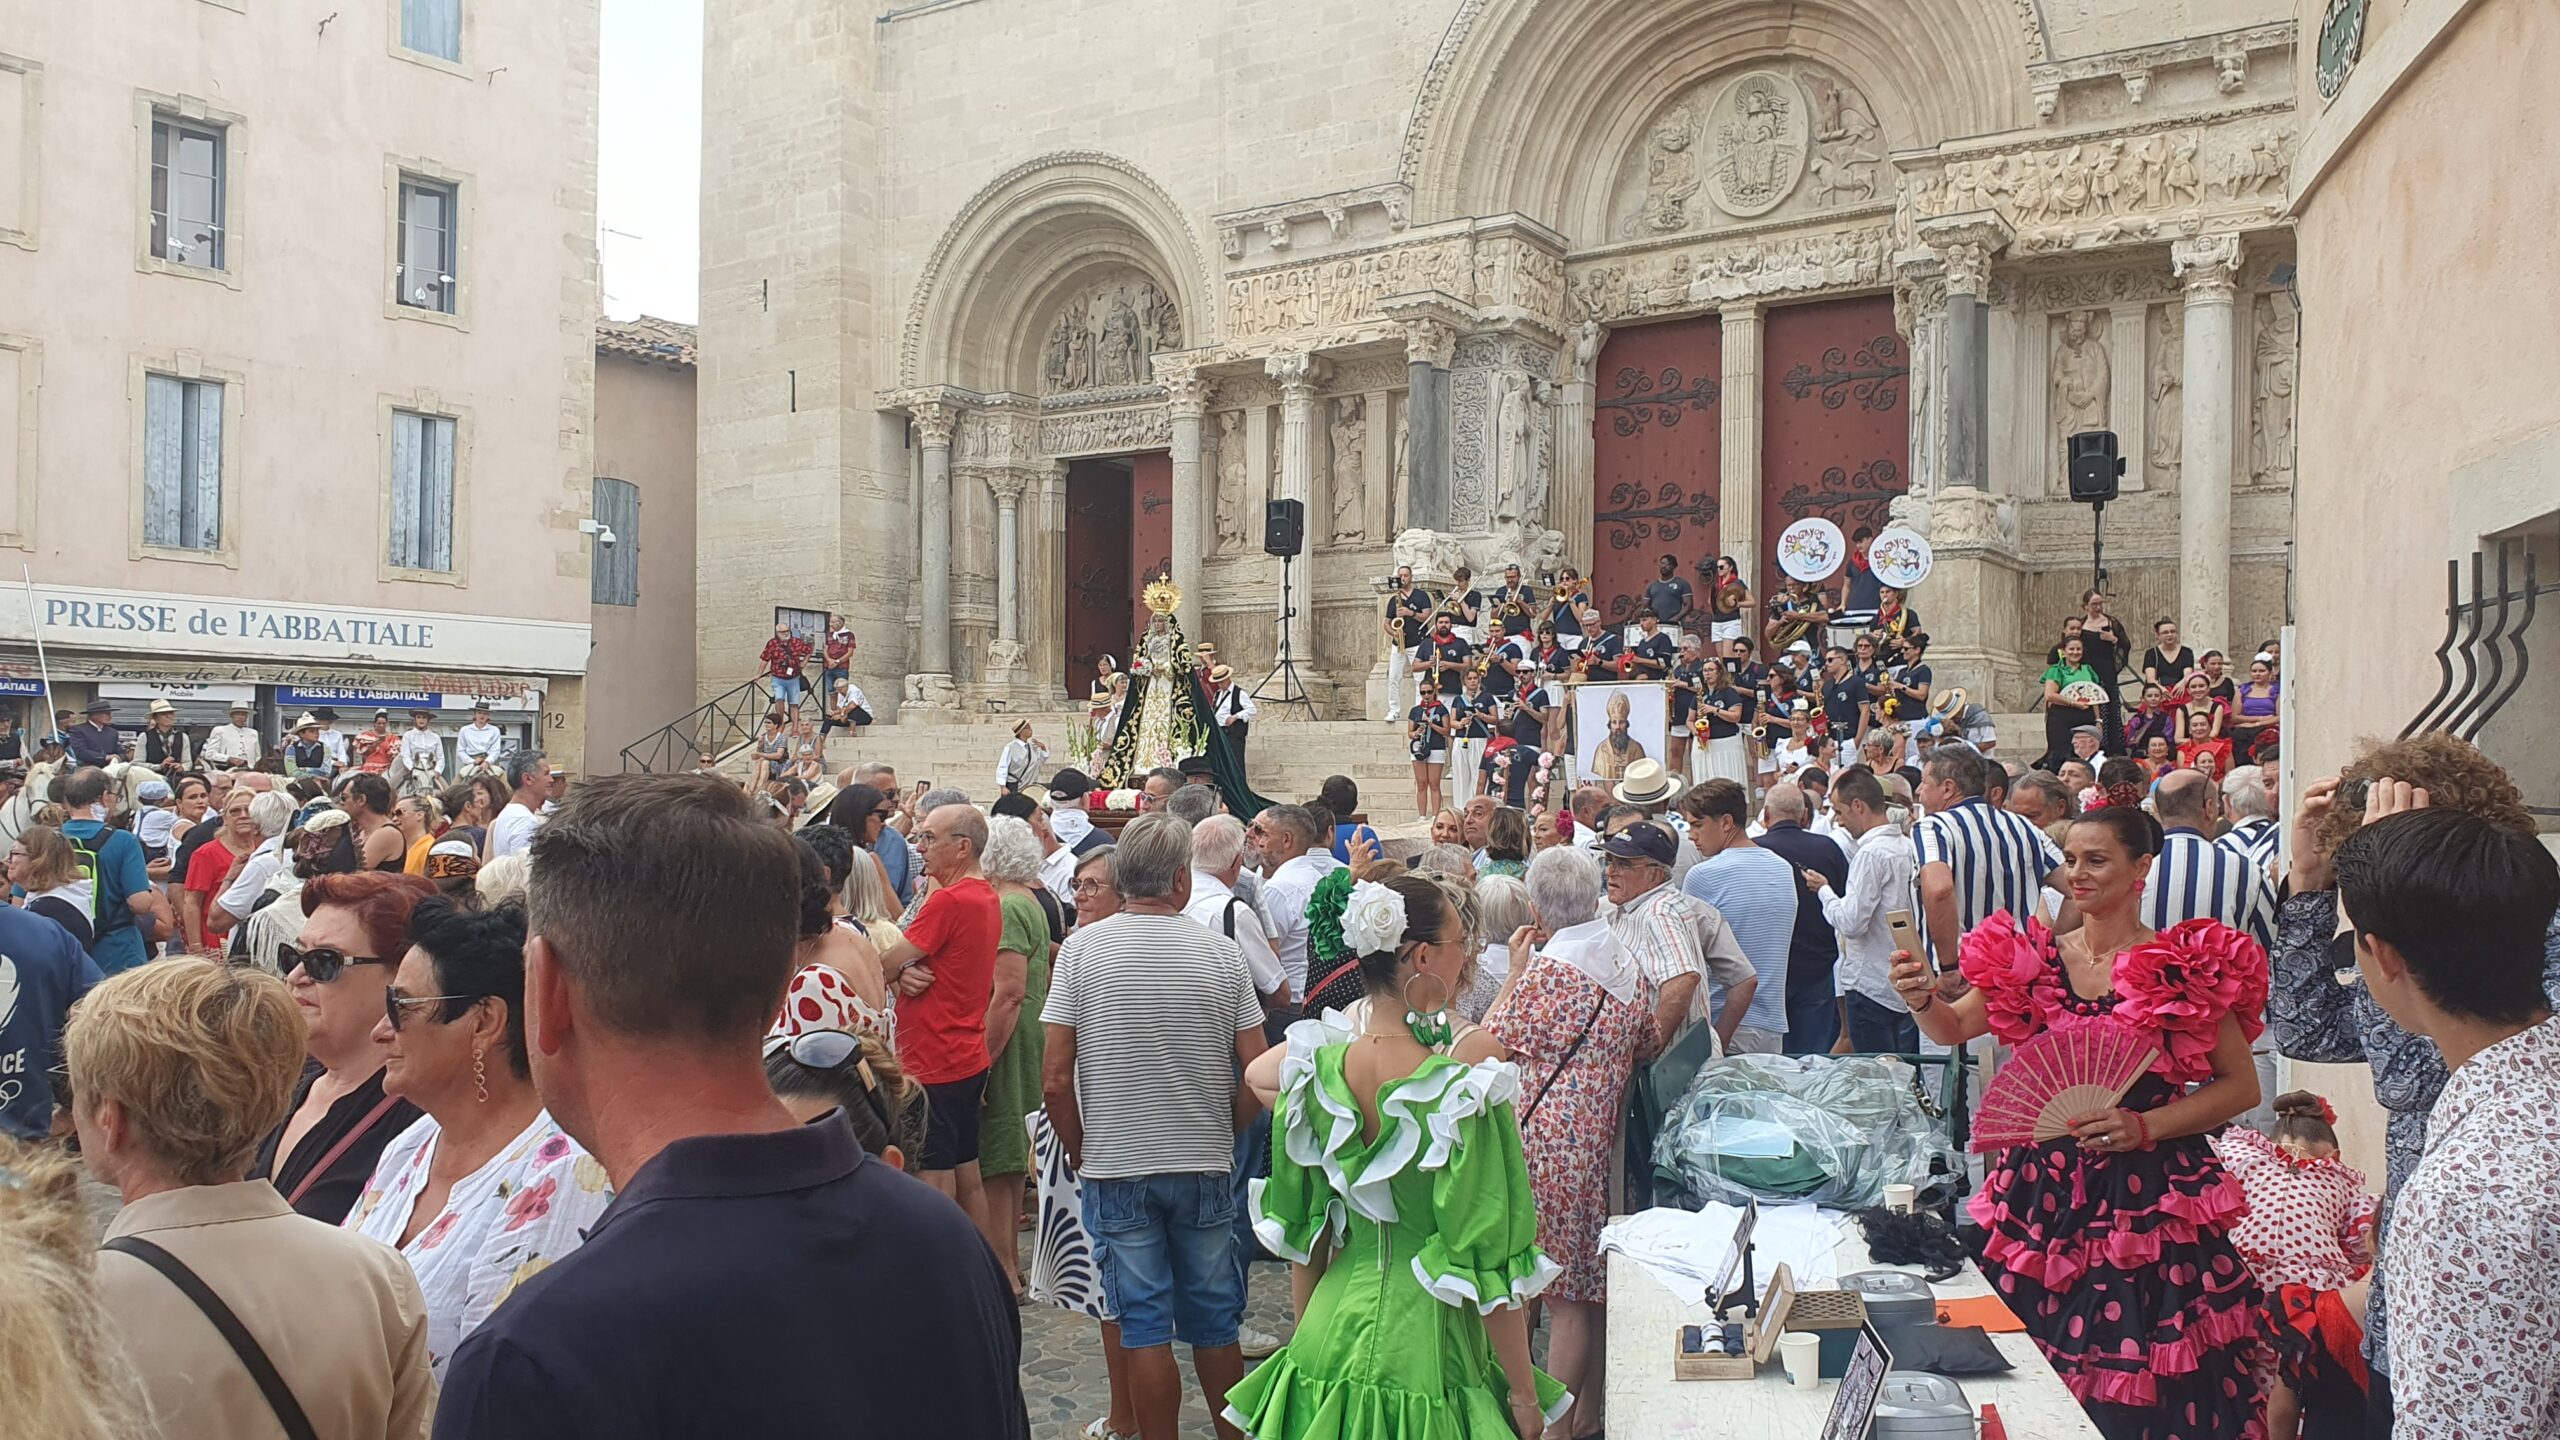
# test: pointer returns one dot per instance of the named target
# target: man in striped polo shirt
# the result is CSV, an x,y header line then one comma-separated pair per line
x,y
1975,859
2251,803
2195,878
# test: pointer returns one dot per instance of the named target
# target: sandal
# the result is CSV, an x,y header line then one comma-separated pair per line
x,y
1101,1430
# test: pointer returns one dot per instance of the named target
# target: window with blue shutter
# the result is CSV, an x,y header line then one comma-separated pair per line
x,y
617,566
421,491
182,463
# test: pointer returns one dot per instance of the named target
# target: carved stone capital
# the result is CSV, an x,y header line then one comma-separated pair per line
x,y
2048,99
1966,245
2208,266
935,420
1231,241
1275,233
1429,342
1009,486
1187,392
1298,375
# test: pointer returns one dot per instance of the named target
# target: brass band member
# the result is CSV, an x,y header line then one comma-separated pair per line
x,y
1727,598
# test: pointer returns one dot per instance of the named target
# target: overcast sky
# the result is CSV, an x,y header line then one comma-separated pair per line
x,y
649,175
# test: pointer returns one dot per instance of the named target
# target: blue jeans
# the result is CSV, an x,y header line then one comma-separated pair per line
x,y
1813,1021
1879,1029
1168,1257
1251,1156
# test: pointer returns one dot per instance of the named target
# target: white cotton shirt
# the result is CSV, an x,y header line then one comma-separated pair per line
x,y
1210,898
501,1224
422,750
1058,874
252,880
512,832
1880,876
478,742
1285,893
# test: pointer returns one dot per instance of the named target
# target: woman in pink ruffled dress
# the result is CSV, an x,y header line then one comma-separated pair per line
x,y
2113,1243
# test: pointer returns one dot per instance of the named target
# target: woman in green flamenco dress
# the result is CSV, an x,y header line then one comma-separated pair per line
x,y
1399,1190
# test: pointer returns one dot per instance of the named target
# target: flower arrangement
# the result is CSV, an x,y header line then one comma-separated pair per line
x,y
1324,915
1122,799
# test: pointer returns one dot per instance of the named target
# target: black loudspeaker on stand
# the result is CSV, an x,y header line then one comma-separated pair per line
x,y
2095,469
1284,533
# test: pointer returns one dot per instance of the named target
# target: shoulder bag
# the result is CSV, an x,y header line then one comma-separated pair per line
x,y
297,1425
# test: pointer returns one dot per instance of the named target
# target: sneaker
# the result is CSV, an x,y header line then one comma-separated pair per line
x,y
1256,1344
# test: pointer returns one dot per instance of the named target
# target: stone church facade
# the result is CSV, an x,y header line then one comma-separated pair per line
x,y
1008,305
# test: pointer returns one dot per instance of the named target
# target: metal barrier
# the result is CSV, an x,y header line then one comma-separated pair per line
x,y
718,727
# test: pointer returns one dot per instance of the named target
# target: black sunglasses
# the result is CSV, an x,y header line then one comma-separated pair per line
x,y
828,1051
322,963
395,1006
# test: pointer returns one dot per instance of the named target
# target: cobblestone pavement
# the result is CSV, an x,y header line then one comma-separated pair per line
x,y
1063,1384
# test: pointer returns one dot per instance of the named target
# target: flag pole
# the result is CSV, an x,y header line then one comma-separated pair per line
x,y
35,627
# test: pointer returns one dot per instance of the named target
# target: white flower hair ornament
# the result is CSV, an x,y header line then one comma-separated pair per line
x,y
1372,920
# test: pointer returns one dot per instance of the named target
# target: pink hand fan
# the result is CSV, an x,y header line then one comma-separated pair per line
x,y
2056,1078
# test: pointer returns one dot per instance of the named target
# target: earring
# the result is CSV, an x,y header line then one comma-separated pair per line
x,y
480,1074
1430,1024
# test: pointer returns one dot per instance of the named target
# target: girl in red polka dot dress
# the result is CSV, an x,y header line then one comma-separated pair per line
x,y
2309,1238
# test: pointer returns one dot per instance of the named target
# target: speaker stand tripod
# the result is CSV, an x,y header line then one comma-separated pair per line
x,y
1293,690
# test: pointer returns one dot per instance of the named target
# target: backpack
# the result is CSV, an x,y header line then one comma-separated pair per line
x,y
93,869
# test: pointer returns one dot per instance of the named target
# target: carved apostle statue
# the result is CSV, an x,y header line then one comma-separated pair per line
x,y
1350,445
2080,376
1231,516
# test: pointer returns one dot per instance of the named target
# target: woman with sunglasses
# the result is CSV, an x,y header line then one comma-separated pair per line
x,y
486,1190
816,1071
419,818
354,931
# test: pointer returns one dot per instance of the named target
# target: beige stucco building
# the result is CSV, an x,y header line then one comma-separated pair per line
x,y
1006,308
2430,421
640,675
297,366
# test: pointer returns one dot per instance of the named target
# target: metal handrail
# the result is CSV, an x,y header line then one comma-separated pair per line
x,y
719,725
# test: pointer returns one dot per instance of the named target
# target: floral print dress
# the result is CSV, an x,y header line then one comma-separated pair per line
x,y
1576,1046
2121,1264
502,1224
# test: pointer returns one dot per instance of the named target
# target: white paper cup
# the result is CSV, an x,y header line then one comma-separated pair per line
x,y
1901,1199
1801,1352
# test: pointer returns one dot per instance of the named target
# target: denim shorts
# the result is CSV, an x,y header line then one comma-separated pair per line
x,y
787,689
1168,1258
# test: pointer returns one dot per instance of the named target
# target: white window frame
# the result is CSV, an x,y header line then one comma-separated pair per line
x,y
397,174
30,75
186,365
151,109
388,409
20,523
395,26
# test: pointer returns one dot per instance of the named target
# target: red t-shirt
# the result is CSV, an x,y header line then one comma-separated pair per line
x,y
942,1033
207,868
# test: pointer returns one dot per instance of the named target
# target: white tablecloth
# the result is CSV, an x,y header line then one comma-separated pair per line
x,y
1644,1327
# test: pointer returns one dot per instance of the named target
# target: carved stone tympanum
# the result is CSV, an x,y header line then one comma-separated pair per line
x,y
1102,336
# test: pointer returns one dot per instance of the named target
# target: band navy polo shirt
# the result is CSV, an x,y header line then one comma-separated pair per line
x,y
754,1285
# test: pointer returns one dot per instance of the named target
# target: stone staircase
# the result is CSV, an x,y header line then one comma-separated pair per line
x,y
1287,757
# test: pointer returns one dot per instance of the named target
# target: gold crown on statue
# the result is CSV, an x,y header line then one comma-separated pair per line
x,y
1162,596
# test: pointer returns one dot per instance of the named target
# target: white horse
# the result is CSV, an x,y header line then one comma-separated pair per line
x,y
127,776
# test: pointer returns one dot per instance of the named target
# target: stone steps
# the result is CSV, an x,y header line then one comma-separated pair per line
x,y
1288,757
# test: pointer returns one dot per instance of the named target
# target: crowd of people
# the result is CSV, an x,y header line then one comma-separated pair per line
x,y
499,1110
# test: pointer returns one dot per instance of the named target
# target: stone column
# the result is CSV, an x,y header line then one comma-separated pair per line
x,y
1298,376
1006,656
1187,399
1428,348
1738,498
1570,497
2209,266
935,420
1967,243
2128,383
